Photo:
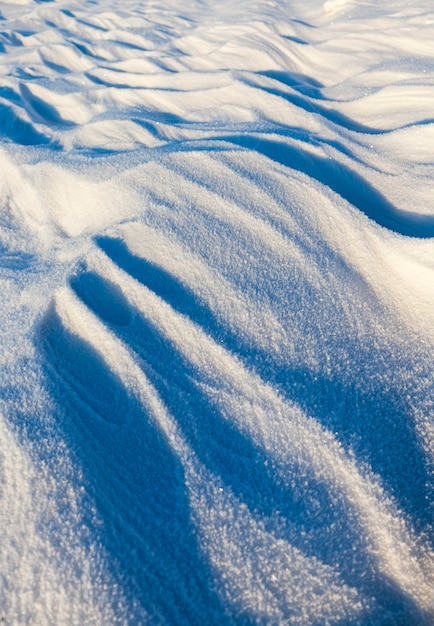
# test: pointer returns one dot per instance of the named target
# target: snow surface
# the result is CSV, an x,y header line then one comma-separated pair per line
x,y
217,320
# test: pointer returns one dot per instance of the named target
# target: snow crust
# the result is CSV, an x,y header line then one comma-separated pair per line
x,y
217,320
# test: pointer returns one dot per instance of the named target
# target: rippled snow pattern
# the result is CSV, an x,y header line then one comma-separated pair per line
x,y
217,270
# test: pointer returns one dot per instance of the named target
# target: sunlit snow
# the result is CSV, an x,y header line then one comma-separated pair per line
x,y
217,320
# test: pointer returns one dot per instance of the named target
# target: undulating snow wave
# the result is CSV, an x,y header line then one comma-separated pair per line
x,y
217,321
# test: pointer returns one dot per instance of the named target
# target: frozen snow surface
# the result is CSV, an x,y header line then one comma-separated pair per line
x,y
217,312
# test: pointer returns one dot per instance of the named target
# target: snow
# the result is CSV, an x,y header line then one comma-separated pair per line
x,y
217,321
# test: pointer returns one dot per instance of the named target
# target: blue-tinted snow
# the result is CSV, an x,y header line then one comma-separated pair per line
x,y
217,270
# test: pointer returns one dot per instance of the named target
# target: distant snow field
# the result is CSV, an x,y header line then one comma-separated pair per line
x,y
217,312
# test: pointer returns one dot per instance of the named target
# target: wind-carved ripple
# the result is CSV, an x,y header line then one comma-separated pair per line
x,y
288,380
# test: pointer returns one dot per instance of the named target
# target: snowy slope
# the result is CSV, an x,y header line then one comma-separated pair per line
x,y
217,320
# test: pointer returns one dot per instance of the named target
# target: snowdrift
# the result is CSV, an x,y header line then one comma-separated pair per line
x,y
217,321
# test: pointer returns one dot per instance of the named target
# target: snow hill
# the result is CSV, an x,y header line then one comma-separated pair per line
x,y
217,312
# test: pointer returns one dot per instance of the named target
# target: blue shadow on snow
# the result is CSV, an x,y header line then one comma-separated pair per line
x,y
375,423
134,477
344,181
327,527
